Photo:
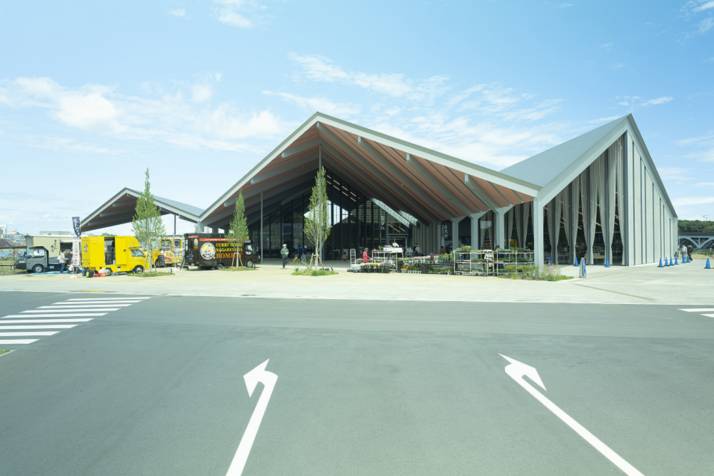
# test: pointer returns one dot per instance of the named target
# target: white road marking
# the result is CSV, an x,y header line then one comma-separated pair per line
x,y
83,314
518,370
42,321
708,315
111,299
702,309
17,341
28,334
98,309
88,304
29,327
252,378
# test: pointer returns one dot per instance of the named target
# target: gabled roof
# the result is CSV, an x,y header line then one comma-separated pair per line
x,y
545,167
120,209
424,183
553,169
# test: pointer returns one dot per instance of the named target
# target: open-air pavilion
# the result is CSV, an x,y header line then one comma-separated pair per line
x,y
120,208
596,196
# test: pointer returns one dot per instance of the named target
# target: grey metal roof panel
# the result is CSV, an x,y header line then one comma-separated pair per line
x,y
184,207
542,168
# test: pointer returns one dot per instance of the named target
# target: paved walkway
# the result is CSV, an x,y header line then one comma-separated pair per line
x,y
684,284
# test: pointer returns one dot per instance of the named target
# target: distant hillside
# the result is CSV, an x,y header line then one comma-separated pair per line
x,y
696,226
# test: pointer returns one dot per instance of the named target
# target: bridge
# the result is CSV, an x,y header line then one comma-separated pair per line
x,y
698,241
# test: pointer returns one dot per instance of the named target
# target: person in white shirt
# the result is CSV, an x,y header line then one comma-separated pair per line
x,y
61,259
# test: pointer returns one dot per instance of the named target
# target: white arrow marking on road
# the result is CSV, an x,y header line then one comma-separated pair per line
x,y
518,370
252,378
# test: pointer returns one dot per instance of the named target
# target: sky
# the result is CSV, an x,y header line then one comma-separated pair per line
x,y
93,93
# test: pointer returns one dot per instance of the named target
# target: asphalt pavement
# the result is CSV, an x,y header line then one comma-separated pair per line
x,y
364,388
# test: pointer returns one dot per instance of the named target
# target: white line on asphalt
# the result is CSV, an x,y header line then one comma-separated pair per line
x,y
708,315
43,321
90,304
28,334
17,341
260,374
71,309
29,327
700,309
517,370
98,309
83,314
111,299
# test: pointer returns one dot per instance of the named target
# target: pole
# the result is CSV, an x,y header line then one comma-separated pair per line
x,y
261,227
174,224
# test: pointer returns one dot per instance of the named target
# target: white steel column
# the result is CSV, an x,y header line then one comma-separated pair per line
x,y
574,218
538,248
261,227
500,226
474,217
455,243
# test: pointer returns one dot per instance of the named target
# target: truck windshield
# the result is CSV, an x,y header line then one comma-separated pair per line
x,y
136,252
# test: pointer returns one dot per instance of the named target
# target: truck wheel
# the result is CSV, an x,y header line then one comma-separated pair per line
x,y
138,269
250,264
38,268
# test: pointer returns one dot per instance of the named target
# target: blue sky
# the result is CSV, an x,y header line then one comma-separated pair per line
x,y
91,93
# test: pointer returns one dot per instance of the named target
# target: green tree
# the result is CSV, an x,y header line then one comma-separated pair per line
x,y
147,224
317,220
238,233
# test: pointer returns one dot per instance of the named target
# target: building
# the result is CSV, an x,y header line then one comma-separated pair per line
x,y
597,196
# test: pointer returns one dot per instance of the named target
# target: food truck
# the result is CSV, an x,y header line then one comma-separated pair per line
x,y
215,250
114,254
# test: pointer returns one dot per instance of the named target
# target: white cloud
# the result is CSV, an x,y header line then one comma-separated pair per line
x,y
706,24
201,92
318,68
488,123
689,201
86,109
235,13
658,101
159,115
603,120
675,175
637,101
321,104
703,6
178,12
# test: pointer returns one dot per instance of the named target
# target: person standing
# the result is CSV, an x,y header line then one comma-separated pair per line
x,y
365,256
61,259
284,254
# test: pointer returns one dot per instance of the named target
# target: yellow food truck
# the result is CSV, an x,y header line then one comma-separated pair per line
x,y
115,254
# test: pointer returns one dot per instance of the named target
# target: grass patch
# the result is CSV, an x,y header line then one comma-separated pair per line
x,y
314,272
238,268
149,274
530,273
4,351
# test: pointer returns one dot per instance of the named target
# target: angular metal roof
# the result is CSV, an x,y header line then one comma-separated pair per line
x,y
424,183
120,209
545,167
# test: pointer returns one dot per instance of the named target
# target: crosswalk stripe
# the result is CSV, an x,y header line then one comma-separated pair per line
x,y
133,298
42,321
83,314
17,341
699,309
28,334
90,304
39,326
69,309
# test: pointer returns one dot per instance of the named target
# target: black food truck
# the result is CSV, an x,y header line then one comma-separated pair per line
x,y
215,250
